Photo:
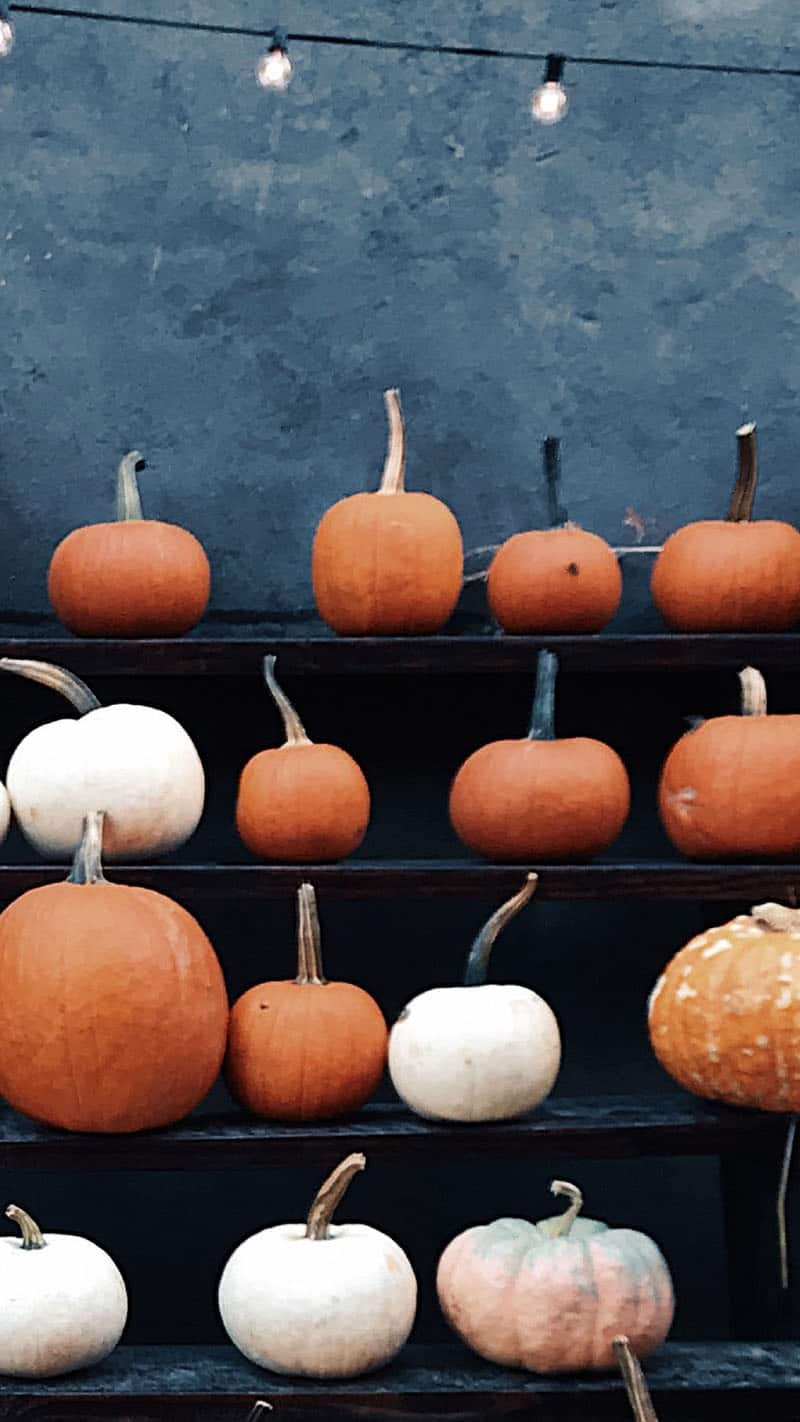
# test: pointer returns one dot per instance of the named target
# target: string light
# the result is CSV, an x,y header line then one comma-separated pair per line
x,y
274,69
7,35
549,103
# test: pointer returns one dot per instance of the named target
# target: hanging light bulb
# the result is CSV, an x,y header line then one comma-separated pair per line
x,y
549,102
7,35
274,69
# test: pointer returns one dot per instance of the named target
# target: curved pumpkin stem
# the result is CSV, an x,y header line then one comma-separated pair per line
x,y
32,1237
564,1223
68,685
129,503
557,514
744,493
633,1377
394,470
309,944
329,1195
543,715
292,725
478,958
754,692
258,1411
87,866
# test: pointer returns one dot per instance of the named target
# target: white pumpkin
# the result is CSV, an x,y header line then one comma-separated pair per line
x,y
319,1300
482,1052
5,812
63,1303
135,763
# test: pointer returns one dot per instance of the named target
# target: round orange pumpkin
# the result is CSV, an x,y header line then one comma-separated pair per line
x,y
113,1011
305,1049
301,803
724,1016
390,563
137,577
540,798
730,789
731,575
557,579
553,1297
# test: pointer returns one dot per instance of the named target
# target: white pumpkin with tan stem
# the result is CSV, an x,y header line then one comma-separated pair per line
x,y
319,1300
63,1303
135,763
482,1052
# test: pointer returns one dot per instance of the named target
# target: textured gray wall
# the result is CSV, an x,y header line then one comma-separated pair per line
x,y
228,278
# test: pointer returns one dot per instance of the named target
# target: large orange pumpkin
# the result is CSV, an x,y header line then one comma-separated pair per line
x,y
556,579
137,577
113,1010
731,575
390,563
301,803
724,1016
731,788
305,1049
540,798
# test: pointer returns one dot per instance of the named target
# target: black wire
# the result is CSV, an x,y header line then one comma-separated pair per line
x,y
399,46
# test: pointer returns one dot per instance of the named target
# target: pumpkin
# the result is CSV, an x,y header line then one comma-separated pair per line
x,y
556,579
390,563
136,577
63,1303
730,788
301,803
137,762
540,798
305,1049
731,575
113,1013
319,1300
552,1297
481,1052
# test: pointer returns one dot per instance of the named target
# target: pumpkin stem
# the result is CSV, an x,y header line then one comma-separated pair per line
x,y
259,1410
564,1224
330,1193
87,866
744,492
393,478
292,725
57,679
478,957
777,918
754,692
129,503
32,1237
309,946
783,1188
543,716
556,513
633,1377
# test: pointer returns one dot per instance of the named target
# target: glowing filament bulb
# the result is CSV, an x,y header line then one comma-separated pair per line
x,y
274,70
549,102
7,35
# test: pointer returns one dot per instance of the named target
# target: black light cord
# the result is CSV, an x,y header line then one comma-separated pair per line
x,y
398,46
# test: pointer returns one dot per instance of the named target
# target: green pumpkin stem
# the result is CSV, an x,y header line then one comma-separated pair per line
x,y
543,714
329,1195
87,866
564,1223
744,492
129,503
783,1188
634,1380
478,957
64,682
754,692
309,944
32,1237
292,725
551,461
394,470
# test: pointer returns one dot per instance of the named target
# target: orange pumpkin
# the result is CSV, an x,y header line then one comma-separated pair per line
x,y
301,803
553,1297
556,579
137,577
730,789
390,563
305,1049
731,575
113,1012
540,798
724,1016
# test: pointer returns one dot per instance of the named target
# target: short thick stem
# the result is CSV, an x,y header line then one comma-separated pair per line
x,y
564,1224
551,459
87,866
394,470
292,725
776,917
32,1237
543,715
329,1195
129,503
309,945
478,958
633,1378
744,492
64,682
754,692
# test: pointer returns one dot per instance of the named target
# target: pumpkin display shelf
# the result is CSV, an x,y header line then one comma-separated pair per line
x,y
759,1370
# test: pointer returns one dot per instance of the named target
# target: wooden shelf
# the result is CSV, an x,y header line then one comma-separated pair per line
x,y
601,1127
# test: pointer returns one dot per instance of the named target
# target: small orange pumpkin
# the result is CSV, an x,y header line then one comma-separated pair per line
x,y
113,1011
731,575
730,788
301,803
540,798
556,579
305,1049
137,577
390,563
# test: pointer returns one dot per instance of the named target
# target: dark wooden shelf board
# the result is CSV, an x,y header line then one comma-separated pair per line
x,y
607,1127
